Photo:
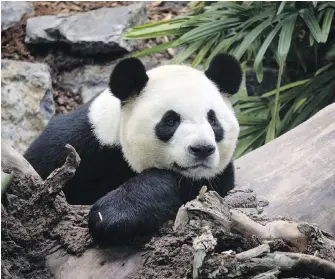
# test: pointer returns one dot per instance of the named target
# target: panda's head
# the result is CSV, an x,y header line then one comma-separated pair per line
x,y
177,117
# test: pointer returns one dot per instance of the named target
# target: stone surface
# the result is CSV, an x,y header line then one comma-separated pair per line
x,y
90,80
26,101
96,31
12,12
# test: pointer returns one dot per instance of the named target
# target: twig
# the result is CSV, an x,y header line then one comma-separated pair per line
x,y
255,252
271,274
288,231
201,246
296,262
57,179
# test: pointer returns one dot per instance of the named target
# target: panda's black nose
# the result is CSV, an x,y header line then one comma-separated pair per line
x,y
202,151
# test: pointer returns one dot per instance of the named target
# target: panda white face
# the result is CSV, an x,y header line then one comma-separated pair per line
x,y
179,121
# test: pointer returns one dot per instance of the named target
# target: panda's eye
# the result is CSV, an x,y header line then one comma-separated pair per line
x,y
171,122
211,117
171,119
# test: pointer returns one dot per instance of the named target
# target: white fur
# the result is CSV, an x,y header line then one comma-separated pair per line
x,y
104,116
188,92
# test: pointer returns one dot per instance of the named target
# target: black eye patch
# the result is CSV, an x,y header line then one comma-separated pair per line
x,y
216,125
167,126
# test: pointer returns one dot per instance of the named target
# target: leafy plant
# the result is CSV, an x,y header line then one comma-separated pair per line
x,y
296,35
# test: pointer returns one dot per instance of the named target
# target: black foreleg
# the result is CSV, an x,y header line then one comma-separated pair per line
x,y
137,208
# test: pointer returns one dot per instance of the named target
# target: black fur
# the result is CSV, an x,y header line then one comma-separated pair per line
x,y
137,208
167,126
216,125
225,71
145,202
128,78
98,164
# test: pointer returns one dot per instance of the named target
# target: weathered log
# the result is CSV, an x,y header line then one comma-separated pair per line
x,y
296,172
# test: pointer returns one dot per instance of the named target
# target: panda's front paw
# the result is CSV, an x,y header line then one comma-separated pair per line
x,y
135,209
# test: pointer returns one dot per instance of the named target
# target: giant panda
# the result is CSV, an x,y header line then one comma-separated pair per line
x,y
147,145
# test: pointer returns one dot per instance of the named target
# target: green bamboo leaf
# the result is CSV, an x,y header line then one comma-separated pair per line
x,y
250,99
286,120
186,53
207,29
289,95
252,105
312,24
247,120
157,23
168,29
230,6
201,55
248,131
154,49
271,131
261,111
299,104
327,21
286,87
323,69
150,35
330,55
265,45
223,46
246,143
251,36
259,72
285,38
313,104
299,57
281,7
311,39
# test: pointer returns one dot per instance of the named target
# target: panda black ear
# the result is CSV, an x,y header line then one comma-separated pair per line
x,y
226,72
128,78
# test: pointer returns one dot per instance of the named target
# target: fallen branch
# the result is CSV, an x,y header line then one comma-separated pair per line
x,y
291,263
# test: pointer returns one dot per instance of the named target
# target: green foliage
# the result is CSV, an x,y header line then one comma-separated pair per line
x,y
291,35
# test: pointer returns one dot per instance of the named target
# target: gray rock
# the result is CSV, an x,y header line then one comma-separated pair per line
x,y
12,12
97,31
26,101
90,80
